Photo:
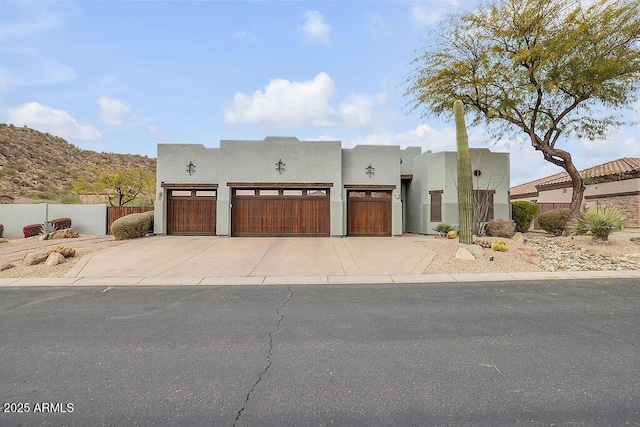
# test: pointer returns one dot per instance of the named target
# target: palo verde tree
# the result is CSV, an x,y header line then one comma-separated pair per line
x,y
120,187
540,69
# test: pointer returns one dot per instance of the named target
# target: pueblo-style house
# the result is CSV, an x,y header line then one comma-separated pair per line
x,y
281,186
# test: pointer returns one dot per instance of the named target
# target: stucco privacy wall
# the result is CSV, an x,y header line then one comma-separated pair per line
x,y
87,219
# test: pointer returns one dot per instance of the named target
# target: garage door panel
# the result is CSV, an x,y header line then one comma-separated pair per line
x,y
369,213
191,214
289,213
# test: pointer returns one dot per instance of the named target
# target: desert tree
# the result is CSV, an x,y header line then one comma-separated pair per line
x,y
119,186
541,70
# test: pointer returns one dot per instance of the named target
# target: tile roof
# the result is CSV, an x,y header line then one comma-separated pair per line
x,y
619,166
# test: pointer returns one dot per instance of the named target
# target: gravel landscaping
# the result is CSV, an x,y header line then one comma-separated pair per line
x,y
577,253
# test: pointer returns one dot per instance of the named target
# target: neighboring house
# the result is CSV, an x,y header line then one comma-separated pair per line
x,y
281,186
612,184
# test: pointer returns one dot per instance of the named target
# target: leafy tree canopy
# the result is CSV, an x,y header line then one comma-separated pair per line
x,y
120,187
545,68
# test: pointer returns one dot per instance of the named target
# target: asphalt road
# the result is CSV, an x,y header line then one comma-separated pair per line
x,y
534,353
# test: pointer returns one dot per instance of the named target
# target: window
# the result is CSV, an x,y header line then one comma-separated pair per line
x,y
436,205
269,192
357,194
316,192
292,192
243,192
180,193
380,194
206,193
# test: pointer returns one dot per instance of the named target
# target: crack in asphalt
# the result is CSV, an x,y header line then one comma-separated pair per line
x,y
269,353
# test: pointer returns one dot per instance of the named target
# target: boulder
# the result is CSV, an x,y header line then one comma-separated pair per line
x,y
44,237
54,258
64,251
67,233
475,250
464,254
518,237
3,240
34,258
5,266
635,240
528,255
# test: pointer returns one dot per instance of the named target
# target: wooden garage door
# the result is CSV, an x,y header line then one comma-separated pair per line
x,y
280,212
369,213
191,212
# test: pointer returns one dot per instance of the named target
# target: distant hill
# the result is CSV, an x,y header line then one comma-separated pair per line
x,y
40,166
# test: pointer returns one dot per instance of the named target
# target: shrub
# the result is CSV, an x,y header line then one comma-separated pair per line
x,y
554,221
443,228
132,226
452,234
598,223
523,213
1,230
61,223
501,228
31,230
499,245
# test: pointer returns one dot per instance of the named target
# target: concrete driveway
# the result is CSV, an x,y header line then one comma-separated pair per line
x,y
196,256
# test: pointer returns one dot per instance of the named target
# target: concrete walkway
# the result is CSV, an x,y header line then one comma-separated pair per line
x,y
182,260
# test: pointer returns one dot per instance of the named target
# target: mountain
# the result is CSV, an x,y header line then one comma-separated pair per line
x,y
40,166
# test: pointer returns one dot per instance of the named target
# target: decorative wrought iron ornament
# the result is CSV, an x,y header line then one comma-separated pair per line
x,y
370,170
280,166
191,168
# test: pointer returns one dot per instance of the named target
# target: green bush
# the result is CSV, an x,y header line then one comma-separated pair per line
x,y
499,245
523,213
132,226
598,223
554,221
443,228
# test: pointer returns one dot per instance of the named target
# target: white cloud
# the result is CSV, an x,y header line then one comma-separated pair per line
x,y
245,35
315,27
29,67
56,122
113,111
422,16
288,104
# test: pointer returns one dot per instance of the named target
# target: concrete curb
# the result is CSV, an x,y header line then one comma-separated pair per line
x,y
313,280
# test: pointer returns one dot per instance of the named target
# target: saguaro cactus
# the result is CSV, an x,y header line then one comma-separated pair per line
x,y
465,181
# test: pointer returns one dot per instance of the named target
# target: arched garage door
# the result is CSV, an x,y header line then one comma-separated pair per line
x,y
280,212
369,212
191,211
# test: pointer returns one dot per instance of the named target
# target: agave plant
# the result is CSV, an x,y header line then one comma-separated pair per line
x,y
47,227
600,223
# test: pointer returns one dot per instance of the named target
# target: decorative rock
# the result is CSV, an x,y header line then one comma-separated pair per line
x,y
44,237
635,240
54,258
5,266
464,254
528,255
63,234
3,240
64,251
475,250
518,237
34,258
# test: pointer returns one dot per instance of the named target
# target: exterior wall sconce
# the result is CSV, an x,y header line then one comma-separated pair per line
x,y
280,166
191,168
477,172
370,170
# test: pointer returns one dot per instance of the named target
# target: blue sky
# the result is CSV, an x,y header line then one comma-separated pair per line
x,y
122,76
